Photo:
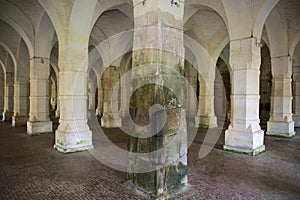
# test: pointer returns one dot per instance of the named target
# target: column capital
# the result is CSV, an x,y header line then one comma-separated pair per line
x,y
144,7
281,65
245,54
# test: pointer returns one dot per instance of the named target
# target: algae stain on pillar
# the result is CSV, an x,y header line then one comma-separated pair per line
x,y
158,58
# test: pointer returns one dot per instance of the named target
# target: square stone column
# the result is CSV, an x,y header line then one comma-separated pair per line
x,y
220,100
39,121
99,110
206,113
124,95
73,133
1,93
57,111
21,104
8,96
296,96
191,106
281,122
158,60
244,134
110,78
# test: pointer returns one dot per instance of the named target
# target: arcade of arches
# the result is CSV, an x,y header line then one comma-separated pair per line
x,y
61,61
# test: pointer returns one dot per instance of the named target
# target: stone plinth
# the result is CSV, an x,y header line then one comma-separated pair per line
x,y
244,142
37,128
283,129
19,120
73,141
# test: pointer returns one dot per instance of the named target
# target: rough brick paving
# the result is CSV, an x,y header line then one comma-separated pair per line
x,y
31,169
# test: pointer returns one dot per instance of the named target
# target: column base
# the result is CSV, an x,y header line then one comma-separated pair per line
x,y
246,142
206,121
296,119
6,116
110,122
71,142
281,129
19,120
37,128
150,186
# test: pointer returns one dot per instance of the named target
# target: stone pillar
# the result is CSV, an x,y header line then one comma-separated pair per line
x,y
21,103
206,112
296,77
281,122
191,75
99,110
8,96
165,37
244,135
53,95
91,101
39,121
124,92
73,133
57,111
220,100
110,78
1,93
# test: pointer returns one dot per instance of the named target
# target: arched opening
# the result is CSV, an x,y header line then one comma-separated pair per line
x,y
2,72
52,94
222,93
211,95
21,87
109,75
54,102
213,39
265,88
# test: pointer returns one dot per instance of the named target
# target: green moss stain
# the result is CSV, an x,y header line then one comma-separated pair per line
x,y
175,175
180,68
81,142
147,181
252,153
60,142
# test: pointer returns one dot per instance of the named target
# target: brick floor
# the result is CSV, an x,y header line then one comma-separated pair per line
x,y
31,169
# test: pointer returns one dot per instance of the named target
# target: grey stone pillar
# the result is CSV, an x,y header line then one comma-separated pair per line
x,y
281,122
8,97
296,96
158,53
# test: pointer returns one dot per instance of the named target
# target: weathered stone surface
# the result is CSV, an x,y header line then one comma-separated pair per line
x,y
161,68
109,80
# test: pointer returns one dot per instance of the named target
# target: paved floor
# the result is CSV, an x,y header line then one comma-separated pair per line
x,y
31,169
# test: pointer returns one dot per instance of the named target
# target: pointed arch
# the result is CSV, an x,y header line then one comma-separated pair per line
x,y
24,29
262,16
12,56
277,34
44,37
